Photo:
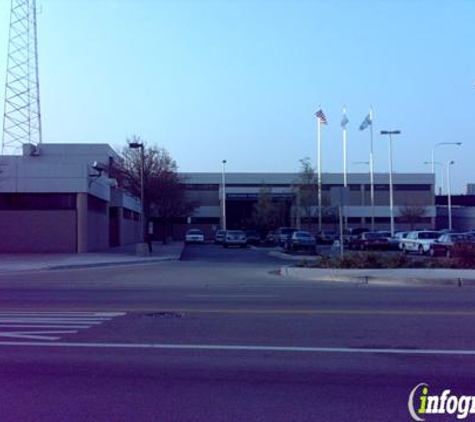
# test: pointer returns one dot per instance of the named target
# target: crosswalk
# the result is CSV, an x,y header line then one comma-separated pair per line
x,y
50,326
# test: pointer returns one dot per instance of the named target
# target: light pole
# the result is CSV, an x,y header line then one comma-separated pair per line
x,y
134,145
224,195
438,163
449,199
433,155
391,196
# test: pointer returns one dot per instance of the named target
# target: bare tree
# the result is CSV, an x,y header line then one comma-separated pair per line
x,y
163,189
412,214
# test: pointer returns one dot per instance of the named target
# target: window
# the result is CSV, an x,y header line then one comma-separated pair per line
x,y
37,201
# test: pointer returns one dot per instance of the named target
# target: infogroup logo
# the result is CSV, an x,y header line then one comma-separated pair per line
x,y
421,404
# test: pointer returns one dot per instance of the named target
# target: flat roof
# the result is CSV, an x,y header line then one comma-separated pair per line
x,y
291,178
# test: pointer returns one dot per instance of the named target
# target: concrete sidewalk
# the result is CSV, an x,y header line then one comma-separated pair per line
x,y
398,276
115,256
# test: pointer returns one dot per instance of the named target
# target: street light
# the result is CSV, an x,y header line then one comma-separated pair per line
x,y
449,199
433,154
391,196
139,145
224,195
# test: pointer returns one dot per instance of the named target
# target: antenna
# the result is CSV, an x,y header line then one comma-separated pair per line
x,y
22,114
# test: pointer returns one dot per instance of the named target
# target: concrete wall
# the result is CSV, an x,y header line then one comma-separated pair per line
x,y
38,231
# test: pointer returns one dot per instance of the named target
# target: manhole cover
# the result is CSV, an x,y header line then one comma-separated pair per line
x,y
164,315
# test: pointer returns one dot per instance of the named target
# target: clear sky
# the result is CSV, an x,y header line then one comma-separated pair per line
x,y
242,79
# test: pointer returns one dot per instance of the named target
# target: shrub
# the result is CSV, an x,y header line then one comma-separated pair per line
x,y
464,255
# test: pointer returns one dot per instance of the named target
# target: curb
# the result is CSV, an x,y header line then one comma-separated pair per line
x,y
111,264
285,256
377,280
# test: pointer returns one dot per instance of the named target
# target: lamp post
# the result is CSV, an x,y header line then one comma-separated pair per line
x,y
449,199
433,153
391,196
140,145
224,195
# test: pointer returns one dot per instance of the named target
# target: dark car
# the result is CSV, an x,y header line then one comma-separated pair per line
x,y
350,235
219,237
271,237
283,235
370,240
326,236
445,244
253,237
301,240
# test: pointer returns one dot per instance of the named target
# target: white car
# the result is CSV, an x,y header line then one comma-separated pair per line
x,y
194,236
419,241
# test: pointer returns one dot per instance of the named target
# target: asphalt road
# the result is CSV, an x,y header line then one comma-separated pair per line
x,y
221,336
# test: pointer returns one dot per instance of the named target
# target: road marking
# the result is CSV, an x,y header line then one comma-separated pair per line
x,y
315,311
51,321
34,335
42,326
238,296
244,348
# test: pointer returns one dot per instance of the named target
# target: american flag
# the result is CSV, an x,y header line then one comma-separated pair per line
x,y
321,117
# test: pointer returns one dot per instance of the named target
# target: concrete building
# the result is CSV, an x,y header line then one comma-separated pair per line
x,y
463,212
53,200
242,192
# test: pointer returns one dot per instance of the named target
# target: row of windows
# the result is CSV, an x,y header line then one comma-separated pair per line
x,y
37,201
325,187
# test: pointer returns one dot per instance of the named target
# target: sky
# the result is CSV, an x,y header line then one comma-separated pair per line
x,y
241,79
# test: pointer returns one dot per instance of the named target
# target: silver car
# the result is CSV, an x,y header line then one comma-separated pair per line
x,y
235,238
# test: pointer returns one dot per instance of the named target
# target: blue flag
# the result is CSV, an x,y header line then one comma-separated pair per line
x,y
344,121
366,122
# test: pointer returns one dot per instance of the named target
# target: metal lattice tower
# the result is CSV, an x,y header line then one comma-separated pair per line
x,y
22,115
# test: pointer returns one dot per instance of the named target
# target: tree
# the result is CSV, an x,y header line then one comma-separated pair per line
x,y
164,195
306,191
412,214
266,214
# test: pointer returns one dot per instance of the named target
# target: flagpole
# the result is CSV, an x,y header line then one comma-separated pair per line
x,y
345,163
319,173
371,169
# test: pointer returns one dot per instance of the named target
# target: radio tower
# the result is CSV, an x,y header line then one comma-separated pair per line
x,y
22,115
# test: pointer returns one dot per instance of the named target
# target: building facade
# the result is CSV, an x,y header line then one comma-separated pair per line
x,y
411,191
52,199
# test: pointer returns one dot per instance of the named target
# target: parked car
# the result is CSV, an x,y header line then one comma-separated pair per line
x,y
271,237
419,241
352,234
370,240
301,240
194,236
445,244
235,238
326,236
219,237
253,237
283,234
396,241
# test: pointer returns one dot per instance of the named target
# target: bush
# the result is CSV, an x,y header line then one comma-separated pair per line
x,y
464,255
465,258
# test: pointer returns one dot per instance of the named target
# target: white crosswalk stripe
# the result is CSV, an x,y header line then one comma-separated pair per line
x,y
51,326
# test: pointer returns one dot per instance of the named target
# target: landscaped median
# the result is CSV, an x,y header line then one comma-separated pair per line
x,y
379,268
